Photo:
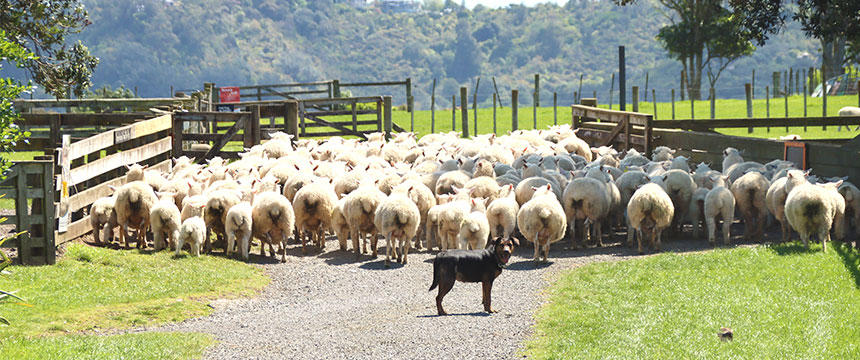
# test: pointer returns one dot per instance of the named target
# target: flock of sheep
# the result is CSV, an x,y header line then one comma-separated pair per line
x,y
447,192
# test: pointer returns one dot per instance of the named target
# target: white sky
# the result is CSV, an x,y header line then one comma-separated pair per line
x,y
499,3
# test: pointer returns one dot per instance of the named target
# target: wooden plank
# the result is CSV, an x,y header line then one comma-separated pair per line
x,y
199,154
210,137
119,135
10,220
75,230
89,196
756,122
344,129
609,139
216,148
315,83
114,103
85,119
593,136
379,83
341,112
609,115
114,161
210,116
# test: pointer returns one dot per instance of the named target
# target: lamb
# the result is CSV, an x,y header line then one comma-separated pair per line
x,y
483,187
650,210
697,210
586,199
134,201
526,188
852,207
103,218
542,220
218,203
474,230
662,153
423,197
397,217
813,210
449,180
135,173
238,227
359,210
313,206
775,198
719,204
165,219
502,214
849,111
680,163
272,221
192,231
450,218
627,184
731,156
192,206
339,224
749,192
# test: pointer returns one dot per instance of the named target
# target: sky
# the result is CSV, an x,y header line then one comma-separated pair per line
x,y
499,3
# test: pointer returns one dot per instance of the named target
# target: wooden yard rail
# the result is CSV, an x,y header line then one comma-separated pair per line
x,y
636,127
89,166
45,129
710,125
30,185
134,104
248,122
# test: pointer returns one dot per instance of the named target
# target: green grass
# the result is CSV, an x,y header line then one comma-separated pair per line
x,y
782,302
94,289
154,346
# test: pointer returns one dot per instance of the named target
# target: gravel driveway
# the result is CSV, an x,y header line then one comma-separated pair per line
x,y
332,306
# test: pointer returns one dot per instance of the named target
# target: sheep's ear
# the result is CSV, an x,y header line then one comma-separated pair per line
x,y
838,183
535,188
807,172
410,188
112,188
296,166
548,187
331,181
316,167
672,151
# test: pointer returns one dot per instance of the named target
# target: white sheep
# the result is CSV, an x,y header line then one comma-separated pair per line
x,y
542,220
679,185
650,211
165,220
192,232
502,214
719,205
359,210
134,201
423,197
339,224
750,191
272,221
662,153
397,217
103,219
813,210
474,230
775,198
731,156
696,213
852,208
313,206
450,180
238,229
586,199
218,203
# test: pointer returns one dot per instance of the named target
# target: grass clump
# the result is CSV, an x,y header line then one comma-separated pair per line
x,y
783,302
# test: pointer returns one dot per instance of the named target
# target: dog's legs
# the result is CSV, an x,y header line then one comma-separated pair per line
x,y
446,283
488,288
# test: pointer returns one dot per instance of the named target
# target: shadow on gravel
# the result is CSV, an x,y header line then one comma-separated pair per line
x,y
529,265
340,257
479,313
380,265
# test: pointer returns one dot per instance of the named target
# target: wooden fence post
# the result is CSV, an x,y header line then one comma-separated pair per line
x,y
673,104
635,93
753,84
409,94
579,92
767,101
464,110
555,108
683,83
713,97
494,113
649,141
748,93
249,135
433,108
823,94
804,103
692,105
291,118
177,136
654,101
537,90
515,109
453,112
785,100
611,89
53,142
646,87
386,100
475,106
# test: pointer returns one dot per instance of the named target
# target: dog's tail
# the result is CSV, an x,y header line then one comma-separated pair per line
x,y
436,270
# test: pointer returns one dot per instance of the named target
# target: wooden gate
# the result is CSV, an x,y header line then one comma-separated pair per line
x,y
218,129
30,185
639,136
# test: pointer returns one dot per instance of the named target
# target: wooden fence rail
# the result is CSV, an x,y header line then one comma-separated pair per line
x,y
30,185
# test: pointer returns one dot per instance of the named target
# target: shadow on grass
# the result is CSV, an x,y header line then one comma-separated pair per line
x,y
851,260
793,248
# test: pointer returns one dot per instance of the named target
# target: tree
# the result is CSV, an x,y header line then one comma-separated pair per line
x,y
702,35
10,89
832,22
466,62
41,27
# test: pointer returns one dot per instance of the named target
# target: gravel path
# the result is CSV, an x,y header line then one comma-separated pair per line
x,y
332,306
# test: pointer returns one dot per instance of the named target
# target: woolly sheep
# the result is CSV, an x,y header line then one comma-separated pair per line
x,y
218,203
749,192
450,217
135,173
719,205
662,153
526,188
474,230
731,156
165,220
852,208
696,213
734,172
775,198
423,197
313,206
134,201
359,210
238,227
192,206
192,232
586,199
813,210
679,185
542,220
449,180
502,214
650,210
103,219
339,224
397,217
272,221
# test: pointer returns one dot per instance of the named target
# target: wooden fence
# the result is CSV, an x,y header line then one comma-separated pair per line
x,y
106,105
328,89
30,185
219,128
45,129
89,166
636,127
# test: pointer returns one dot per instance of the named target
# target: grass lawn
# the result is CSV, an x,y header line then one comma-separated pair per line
x,y
783,302
93,289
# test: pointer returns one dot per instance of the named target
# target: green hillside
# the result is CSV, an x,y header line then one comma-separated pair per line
x,y
155,44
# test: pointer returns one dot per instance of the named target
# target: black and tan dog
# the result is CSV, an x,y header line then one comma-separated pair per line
x,y
471,266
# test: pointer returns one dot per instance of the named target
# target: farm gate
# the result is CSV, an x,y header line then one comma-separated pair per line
x,y
29,184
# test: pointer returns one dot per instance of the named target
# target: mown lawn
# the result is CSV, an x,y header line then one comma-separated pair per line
x,y
783,302
95,289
